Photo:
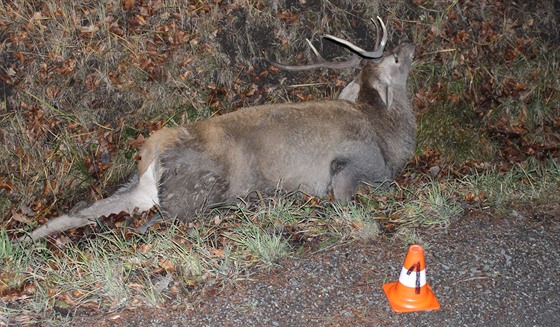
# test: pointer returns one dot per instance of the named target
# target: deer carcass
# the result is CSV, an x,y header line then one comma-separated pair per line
x,y
322,148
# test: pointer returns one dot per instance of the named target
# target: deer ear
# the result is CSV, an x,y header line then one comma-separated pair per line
x,y
350,92
389,97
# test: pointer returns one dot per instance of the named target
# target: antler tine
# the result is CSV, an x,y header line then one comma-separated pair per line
x,y
376,54
376,33
380,46
314,50
321,62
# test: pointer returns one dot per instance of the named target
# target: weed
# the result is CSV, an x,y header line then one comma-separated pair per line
x,y
531,182
83,83
360,220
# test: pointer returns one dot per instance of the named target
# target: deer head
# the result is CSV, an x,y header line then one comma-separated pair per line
x,y
382,72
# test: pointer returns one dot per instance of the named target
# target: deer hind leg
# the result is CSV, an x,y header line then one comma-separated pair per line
x,y
139,194
192,182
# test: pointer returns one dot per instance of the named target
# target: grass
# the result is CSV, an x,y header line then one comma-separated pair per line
x,y
117,269
529,183
83,83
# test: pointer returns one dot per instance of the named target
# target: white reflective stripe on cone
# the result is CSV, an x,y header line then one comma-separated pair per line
x,y
409,280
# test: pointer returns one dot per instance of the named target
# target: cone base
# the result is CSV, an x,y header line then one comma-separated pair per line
x,y
400,304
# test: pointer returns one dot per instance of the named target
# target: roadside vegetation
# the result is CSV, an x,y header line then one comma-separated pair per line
x,y
82,85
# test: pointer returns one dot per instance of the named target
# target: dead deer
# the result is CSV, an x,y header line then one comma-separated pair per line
x,y
322,148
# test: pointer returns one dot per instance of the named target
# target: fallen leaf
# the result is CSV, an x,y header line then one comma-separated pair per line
x,y
136,285
167,265
217,252
88,31
127,4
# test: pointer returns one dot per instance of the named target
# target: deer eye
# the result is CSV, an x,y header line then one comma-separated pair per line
x,y
396,59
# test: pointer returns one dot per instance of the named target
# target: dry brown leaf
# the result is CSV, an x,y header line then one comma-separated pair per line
x,y
167,265
146,248
68,67
6,186
357,225
136,285
217,252
88,31
127,4
20,56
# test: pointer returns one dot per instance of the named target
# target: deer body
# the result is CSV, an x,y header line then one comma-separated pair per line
x,y
321,148
316,147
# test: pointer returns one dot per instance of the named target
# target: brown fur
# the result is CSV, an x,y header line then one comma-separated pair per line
x,y
319,147
157,143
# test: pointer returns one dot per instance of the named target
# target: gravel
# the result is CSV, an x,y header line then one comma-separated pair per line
x,y
484,270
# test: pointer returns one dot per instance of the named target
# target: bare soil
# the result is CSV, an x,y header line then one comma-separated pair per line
x,y
485,270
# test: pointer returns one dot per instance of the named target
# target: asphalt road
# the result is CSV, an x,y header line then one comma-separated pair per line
x,y
484,270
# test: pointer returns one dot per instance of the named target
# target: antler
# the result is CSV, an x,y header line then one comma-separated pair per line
x,y
321,62
376,54
353,62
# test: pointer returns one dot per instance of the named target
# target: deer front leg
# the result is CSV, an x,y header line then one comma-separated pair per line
x,y
348,173
343,179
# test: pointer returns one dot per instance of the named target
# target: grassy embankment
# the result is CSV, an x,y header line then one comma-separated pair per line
x,y
84,84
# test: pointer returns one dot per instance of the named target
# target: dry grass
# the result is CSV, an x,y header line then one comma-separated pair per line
x,y
172,262
82,84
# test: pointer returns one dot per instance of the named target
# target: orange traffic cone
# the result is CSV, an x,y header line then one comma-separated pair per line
x,y
411,292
